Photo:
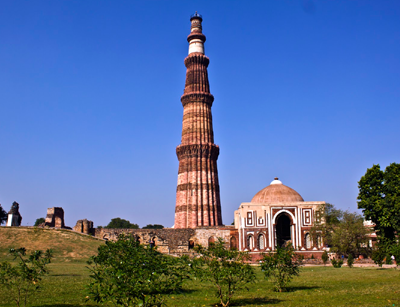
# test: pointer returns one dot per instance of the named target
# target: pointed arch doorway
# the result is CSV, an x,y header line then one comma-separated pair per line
x,y
283,228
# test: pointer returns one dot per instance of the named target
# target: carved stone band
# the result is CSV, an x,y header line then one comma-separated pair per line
x,y
197,97
197,150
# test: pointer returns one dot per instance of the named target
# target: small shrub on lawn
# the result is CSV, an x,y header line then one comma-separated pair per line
x,y
281,266
224,268
325,257
378,256
337,263
350,261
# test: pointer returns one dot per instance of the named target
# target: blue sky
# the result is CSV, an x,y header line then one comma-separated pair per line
x,y
90,110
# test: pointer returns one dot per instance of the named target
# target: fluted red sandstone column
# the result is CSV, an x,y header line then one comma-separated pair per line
x,y
197,194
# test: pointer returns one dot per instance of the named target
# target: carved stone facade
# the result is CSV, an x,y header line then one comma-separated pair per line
x,y
278,215
84,226
197,193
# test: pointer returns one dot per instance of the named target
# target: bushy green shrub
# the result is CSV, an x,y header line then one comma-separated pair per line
x,y
325,257
350,261
337,263
127,273
378,256
388,260
223,267
281,266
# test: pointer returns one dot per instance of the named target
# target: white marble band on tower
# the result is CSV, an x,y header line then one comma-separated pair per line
x,y
196,45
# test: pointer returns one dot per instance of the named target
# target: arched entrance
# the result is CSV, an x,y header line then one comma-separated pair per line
x,y
233,244
282,228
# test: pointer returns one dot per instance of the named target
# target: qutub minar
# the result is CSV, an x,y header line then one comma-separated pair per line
x,y
197,194
276,215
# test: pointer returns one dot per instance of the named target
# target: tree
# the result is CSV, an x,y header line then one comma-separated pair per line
x,y
224,268
39,221
325,257
350,261
343,231
281,266
151,226
328,217
127,273
121,223
22,279
379,197
350,236
3,215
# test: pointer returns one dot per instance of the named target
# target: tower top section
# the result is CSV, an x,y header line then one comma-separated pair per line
x,y
196,15
196,38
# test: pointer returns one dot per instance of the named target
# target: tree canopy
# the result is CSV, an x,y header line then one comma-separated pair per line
x,y
3,215
343,231
121,223
39,221
151,226
350,236
379,197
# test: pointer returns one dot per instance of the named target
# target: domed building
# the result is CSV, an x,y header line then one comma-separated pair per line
x,y
277,215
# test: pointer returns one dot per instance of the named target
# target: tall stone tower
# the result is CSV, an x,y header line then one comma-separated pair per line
x,y
197,194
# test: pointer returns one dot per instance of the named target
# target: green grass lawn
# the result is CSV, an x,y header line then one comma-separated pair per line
x,y
316,286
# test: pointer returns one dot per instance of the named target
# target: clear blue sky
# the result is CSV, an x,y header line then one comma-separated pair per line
x,y
90,111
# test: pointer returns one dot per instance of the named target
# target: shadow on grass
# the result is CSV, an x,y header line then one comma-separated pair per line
x,y
294,289
66,274
183,291
257,300
66,305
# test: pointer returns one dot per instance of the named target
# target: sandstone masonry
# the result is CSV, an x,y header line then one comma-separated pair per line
x,y
197,193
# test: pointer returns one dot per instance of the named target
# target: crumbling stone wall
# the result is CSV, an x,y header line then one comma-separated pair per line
x,y
170,240
204,235
84,226
55,218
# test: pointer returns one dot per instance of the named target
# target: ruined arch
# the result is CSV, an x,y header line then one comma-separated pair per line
x,y
211,240
233,243
190,244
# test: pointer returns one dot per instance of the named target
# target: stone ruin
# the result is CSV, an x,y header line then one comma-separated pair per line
x,y
14,217
172,241
55,218
84,226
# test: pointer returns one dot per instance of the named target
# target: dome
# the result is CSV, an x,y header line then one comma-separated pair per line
x,y
277,192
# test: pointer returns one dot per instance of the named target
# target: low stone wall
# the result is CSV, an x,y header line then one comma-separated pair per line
x,y
170,240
